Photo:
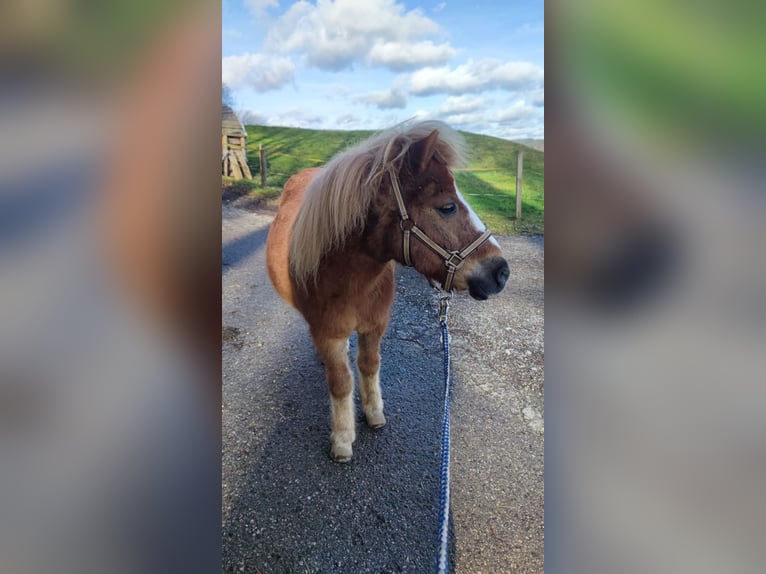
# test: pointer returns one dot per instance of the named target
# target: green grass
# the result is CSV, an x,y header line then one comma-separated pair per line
x,y
488,183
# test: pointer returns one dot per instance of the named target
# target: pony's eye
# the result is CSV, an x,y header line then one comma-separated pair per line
x,y
448,209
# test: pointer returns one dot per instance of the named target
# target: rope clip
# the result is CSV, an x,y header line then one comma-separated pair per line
x,y
444,299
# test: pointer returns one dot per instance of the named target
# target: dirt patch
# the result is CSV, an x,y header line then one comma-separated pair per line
x,y
247,195
253,204
233,336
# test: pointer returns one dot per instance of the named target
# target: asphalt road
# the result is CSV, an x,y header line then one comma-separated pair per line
x,y
287,508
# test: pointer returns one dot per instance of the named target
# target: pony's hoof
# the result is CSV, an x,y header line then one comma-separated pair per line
x,y
376,420
341,453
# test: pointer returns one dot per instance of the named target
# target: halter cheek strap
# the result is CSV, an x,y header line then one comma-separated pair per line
x,y
452,259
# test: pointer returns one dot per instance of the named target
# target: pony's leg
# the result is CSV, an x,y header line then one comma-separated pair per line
x,y
334,353
368,363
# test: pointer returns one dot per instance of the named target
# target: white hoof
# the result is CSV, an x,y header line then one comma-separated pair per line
x,y
341,445
376,419
341,452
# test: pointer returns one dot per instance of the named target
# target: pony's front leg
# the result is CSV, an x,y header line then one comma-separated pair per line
x,y
368,363
334,353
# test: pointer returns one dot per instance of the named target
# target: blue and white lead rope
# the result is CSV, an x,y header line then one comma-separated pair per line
x,y
444,467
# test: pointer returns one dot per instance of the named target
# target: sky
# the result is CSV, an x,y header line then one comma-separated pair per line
x,y
371,64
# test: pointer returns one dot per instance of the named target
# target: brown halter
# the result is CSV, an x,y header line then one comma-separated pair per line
x,y
452,259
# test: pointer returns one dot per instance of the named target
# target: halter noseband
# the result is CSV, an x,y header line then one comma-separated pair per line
x,y
452,259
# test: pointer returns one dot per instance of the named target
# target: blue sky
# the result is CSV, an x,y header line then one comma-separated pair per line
x,y
370,64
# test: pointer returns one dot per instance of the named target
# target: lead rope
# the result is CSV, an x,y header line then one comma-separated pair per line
x,y
444,299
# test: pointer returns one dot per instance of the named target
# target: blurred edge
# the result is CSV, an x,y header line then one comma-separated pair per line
x,y
110,286
655,283
110,307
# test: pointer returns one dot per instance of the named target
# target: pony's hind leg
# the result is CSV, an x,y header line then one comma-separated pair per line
x,y
334,353
368,363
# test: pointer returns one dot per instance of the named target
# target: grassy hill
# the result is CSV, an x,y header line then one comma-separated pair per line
x,y
539,145
488,183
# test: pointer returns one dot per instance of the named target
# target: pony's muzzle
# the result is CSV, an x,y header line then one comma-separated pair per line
x,y
488,278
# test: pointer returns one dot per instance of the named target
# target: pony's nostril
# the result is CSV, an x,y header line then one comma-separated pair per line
x,y
502,273
489,279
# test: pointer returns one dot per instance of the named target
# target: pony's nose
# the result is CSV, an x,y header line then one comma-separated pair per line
x,y
488,278
502,272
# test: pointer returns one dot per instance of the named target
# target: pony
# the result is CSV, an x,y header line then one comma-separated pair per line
x,y
338,234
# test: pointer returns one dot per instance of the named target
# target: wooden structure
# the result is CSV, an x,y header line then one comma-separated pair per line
x,y
233,139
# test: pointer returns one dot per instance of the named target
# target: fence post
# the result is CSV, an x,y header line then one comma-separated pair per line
x,y
519,167
262,156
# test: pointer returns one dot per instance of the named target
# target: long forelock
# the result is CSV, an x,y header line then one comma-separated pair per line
x,y
336,202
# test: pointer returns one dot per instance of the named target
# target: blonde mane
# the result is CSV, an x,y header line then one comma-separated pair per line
x,y
336,202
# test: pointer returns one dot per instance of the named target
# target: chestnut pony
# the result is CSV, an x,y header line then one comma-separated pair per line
x,y
332,246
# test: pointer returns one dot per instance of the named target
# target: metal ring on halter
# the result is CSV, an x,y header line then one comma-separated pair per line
x,y
458,263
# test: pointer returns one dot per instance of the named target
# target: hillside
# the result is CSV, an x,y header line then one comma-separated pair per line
x,y
539,145
488,183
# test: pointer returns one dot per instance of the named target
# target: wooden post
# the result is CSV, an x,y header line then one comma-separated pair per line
x,y
519,167
262,155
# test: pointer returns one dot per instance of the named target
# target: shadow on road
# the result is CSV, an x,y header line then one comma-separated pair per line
x,y
291,509
238,249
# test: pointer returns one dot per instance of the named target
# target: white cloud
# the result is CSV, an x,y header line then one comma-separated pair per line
x,y
347,120
249,117
439,7
469,120
258,7
336,33
462,104
296,118
422,115
387,100
517,113
257,71
401,56
510,119
476,76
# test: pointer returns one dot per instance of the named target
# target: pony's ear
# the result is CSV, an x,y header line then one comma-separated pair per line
x,y
422,151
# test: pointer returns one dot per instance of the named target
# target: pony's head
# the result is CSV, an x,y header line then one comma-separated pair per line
x,y
354,196
447,242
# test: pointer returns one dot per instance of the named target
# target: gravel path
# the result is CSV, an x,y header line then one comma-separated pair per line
x,y
287,508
